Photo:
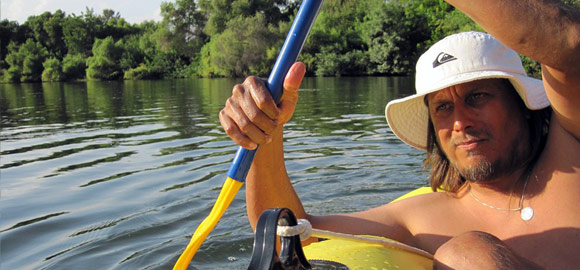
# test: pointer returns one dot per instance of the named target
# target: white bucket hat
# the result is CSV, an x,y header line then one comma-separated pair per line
x,y
457,59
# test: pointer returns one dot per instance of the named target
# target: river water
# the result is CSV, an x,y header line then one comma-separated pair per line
x,y
117,175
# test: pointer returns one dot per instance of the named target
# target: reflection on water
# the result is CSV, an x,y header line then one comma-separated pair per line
x,y
117,175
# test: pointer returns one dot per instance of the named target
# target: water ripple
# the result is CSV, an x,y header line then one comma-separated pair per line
x,y
117,175
34,220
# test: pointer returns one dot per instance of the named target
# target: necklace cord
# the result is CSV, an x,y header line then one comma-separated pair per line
x,y
520,205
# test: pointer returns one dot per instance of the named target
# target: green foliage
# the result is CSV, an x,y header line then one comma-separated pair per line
x,y
139,73
104,65
231,38
26,61
52,70
335,38
456,21
533,68
331,63
131,54
573,3
14,59
110,24
432,15
47,29
80,32
74,66
394,42
182,27
241,48
78,35
204,66
364,38
221,12
160,63
10,32
35,24
12,75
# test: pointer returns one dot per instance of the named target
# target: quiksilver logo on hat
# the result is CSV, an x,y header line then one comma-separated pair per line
x,y
443,58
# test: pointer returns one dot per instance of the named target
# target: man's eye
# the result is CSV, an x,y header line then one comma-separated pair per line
x,y
475,97
442,107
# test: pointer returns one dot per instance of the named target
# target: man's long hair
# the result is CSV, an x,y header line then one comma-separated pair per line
x,y
445,176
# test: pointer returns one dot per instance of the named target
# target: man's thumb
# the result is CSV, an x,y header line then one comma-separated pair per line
x,y
294,77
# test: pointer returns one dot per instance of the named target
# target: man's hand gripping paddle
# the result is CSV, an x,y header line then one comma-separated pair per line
x,y
243,159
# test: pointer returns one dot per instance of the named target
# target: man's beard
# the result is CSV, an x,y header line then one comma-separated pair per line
x,y
485,170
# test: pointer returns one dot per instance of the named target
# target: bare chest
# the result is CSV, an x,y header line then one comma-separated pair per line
x,y
556,248
550,239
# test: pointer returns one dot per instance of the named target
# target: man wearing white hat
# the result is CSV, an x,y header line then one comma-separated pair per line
x,y
505,147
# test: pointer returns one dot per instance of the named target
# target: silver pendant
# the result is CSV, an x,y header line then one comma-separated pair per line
x,y
527,213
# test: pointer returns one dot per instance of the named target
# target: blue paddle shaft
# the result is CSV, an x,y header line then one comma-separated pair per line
x,y
288,55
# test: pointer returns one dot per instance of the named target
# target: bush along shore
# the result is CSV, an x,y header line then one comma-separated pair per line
x,y
227,38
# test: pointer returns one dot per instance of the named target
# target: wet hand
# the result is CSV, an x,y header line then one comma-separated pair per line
x,y
250,115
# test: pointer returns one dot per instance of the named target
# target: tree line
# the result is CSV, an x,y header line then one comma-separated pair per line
x,y
227,38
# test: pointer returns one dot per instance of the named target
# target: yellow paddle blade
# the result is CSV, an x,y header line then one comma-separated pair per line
x,y
227,194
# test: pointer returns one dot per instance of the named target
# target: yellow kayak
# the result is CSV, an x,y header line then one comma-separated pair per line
x,y
344,254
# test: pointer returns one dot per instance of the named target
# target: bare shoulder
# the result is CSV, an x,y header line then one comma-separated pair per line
x,y
428,200
430,218
392,220
421,210
398,213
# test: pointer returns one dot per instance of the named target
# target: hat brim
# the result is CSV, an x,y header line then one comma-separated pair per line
x,y
408,117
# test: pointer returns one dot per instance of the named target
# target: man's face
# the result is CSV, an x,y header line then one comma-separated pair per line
x,y
480,127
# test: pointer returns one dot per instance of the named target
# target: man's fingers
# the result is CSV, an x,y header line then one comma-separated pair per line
x,y
251,114
258,105
241,125
231,128
261,96
257,116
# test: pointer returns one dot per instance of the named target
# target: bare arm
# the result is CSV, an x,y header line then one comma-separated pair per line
x,y
251,117
547,31
268,186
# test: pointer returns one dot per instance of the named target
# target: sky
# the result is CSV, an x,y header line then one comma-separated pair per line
x,y
133,11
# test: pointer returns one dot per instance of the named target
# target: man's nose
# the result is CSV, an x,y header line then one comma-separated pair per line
x,y
463,118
